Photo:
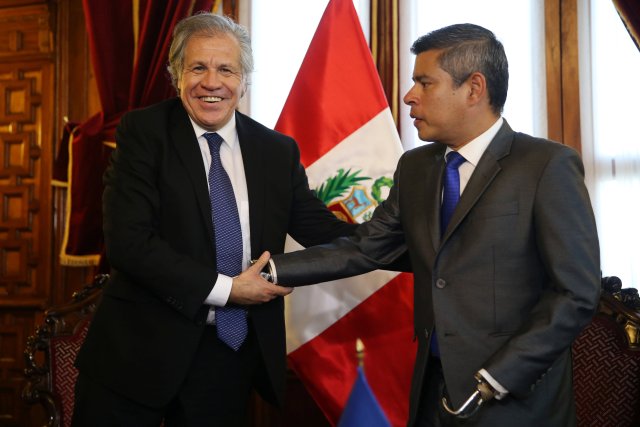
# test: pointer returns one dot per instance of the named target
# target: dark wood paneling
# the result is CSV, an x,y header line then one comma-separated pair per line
x,y
384,47
24,32
563,84
27,77
570,75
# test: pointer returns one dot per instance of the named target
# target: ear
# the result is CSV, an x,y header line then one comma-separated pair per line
x,y
477,87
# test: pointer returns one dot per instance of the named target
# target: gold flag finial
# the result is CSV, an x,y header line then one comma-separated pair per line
x,y
360,352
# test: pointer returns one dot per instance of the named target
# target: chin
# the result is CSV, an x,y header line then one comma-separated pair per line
x,y
427,137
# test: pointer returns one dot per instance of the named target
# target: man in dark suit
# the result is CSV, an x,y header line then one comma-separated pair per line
x,y
156,349
506,278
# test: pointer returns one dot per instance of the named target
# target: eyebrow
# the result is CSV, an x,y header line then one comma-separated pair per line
x,y
419,77
194,62
206,63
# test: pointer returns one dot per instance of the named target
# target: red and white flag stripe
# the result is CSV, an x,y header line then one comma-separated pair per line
x,y
338,113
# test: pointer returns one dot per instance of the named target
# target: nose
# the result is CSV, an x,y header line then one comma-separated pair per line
x,y
410,98
210,80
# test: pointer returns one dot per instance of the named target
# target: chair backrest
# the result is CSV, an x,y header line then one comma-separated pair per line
x,y
606,361
52,350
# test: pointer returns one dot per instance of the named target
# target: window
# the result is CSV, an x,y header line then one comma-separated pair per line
x,y
611,145
279,44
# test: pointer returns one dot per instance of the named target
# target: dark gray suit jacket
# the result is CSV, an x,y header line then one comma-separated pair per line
x,y
511,283
160,244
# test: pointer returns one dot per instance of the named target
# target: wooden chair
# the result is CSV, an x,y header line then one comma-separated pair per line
x,y
606,361
51,352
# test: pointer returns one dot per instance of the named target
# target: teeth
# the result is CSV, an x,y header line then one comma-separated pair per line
x,y
211,99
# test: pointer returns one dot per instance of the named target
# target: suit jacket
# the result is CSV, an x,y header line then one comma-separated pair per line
x,y
509,285
160,243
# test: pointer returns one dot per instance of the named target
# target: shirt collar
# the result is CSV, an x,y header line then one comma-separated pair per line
x,y
476,147
227,132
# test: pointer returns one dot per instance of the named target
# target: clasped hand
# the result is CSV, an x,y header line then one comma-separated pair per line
x,y
251,288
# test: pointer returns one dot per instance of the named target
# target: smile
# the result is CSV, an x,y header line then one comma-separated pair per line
x,y
210,99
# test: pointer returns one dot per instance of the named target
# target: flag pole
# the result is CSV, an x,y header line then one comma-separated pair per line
x,y
360,352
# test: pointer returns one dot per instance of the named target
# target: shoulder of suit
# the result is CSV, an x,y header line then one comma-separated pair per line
x,y
157,120
540,144
165,111
427,150
162,106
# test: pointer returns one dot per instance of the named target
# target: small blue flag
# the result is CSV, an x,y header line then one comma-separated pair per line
x,y
362,408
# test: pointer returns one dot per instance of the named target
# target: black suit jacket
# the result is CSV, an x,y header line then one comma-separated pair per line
x,y
511,283
160,244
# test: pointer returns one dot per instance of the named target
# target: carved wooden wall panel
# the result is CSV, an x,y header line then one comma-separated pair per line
x,y
24,31
27,73
15,327
26,94
25,138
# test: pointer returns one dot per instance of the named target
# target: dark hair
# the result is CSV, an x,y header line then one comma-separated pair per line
x,y
466,49
207,24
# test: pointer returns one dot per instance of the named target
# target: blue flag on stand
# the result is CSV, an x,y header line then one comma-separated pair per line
x,y
362,408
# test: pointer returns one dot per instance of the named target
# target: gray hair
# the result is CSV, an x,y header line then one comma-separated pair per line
x,y
207,24
466,49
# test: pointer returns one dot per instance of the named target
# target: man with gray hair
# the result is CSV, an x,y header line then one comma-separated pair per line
x,y
502,240
194,191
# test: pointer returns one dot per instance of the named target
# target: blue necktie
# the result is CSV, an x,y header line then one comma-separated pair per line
x,y
231,322
450,189
450,197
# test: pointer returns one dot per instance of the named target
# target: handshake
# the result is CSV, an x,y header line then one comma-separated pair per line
x,y
255,285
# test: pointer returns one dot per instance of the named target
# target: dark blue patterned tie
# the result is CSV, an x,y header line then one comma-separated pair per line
x,y
231,322
450,197
450,188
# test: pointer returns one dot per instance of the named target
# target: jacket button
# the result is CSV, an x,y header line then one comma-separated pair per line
x,y
441,283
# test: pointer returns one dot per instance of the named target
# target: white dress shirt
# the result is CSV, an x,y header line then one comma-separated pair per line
x,y
472,152
231,157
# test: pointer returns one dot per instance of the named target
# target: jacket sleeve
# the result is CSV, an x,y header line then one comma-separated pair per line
x,y
567,244
376,244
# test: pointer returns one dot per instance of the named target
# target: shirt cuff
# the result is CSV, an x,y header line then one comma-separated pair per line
x,y
219,295
501,391
274,273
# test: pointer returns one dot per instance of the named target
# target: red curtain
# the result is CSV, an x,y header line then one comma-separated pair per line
x,y
124,83
629,11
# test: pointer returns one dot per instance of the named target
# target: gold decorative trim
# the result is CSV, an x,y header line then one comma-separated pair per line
x,y
627,318
136,28
65,258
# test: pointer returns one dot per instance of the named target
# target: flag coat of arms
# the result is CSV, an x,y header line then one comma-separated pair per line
x,y
349,144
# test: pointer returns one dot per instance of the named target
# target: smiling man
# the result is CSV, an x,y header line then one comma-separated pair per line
x,y
194,191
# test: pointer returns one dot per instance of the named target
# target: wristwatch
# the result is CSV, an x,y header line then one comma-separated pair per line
x,y
266,272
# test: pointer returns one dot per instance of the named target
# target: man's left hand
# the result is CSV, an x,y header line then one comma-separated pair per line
x,y
251,288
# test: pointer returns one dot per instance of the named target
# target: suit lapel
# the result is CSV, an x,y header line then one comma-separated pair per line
x,y
433,178
185,143
255,166
486,170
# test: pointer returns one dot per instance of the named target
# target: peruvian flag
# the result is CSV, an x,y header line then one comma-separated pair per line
x,y
338,114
